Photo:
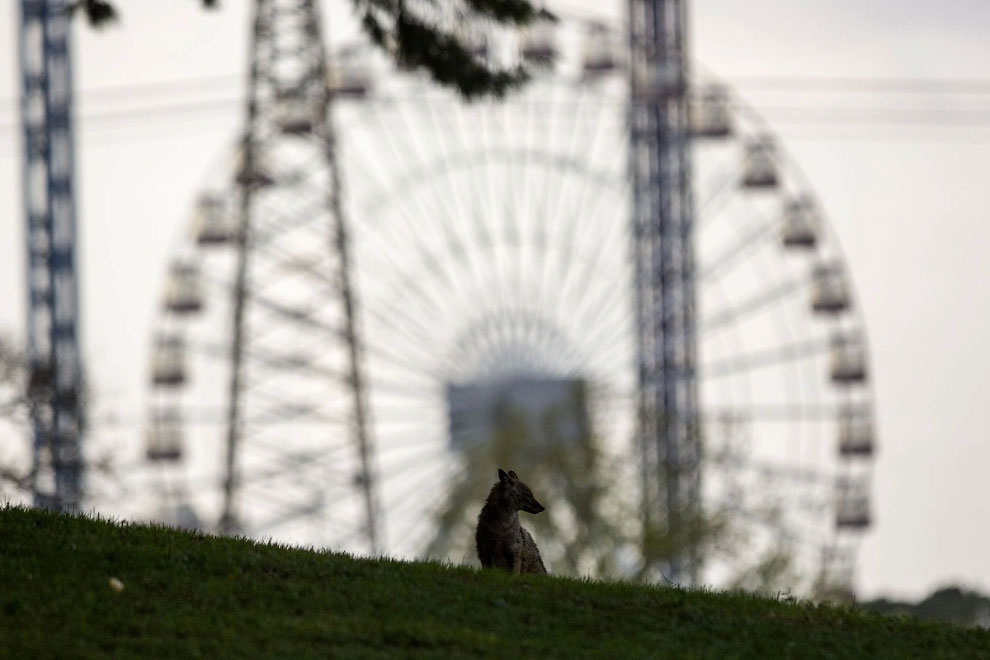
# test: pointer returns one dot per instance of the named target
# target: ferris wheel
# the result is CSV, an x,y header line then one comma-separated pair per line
x,y
489,250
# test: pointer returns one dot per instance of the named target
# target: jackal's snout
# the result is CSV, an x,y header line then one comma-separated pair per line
x,y
533,507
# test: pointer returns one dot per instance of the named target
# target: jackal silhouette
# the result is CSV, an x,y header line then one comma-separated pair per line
x,y
500,539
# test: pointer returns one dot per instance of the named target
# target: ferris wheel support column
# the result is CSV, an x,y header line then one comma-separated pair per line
x,y
228,517
669,435
53,300
289,107
362,431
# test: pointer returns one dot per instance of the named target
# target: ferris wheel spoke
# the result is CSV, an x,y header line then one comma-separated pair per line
x,y
569,285
452,211
445,214
406,445
424,474
504,205
403,289
303,315
293,512
593,271
283,264
717,193
293,417
476,230
765,520
782,412
423,465
763,359
421,494
275,491
278,361
409,315
299,314
415,360
606,305
287,218
280,462
282,472
405,426
567,162
766,469
388,386
391,238
287,411
425,535
283,502
579,243
429,299
416,370
747,242
347,530
754,304
541,225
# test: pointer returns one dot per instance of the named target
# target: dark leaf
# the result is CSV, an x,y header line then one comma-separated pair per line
x,y
99,13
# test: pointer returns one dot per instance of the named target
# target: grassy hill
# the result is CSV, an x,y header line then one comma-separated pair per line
x,y
77,587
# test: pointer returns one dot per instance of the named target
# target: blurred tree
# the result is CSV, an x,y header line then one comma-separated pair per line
x,y
944,604
428,35
15,405
585,524
25,395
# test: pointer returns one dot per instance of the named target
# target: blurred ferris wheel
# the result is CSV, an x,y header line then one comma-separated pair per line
x,y
474,307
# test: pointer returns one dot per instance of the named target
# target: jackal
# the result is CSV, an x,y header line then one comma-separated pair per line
x,y
501,541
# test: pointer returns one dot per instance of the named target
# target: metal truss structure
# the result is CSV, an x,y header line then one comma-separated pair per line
x,y
273,242
660,174
55,380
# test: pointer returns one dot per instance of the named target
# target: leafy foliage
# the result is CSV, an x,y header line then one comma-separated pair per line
x,y
424,34
99,13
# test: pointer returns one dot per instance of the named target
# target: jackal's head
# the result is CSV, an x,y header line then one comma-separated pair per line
x,y
517,494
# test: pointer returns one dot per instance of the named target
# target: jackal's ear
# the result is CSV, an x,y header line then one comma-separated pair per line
x,y
513,475
502,476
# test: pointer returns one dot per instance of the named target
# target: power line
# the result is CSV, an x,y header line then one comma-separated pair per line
x,y
883,85
945,120
944,116
934,117
751,82
145,89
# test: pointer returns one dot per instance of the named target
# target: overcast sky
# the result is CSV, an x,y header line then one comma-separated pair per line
x,y
902,176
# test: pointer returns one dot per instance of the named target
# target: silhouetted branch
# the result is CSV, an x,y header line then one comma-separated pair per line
x,y
414,35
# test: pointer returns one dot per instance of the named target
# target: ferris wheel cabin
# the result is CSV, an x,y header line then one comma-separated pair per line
x,y
183,293
759,166
710,115
168,362
800,226
848,359
552,411
829,292
164,438
855,432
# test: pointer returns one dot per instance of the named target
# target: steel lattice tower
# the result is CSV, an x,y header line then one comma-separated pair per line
x,y
664,279
289,104
49,209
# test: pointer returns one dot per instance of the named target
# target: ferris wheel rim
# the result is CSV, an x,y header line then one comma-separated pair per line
x,y
826,223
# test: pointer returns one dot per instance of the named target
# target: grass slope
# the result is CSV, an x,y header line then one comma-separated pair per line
x,y
188,595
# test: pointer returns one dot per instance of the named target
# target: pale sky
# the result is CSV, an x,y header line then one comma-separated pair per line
x,y
905,194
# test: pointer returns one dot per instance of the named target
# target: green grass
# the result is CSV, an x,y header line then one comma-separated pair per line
x,y
191,595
